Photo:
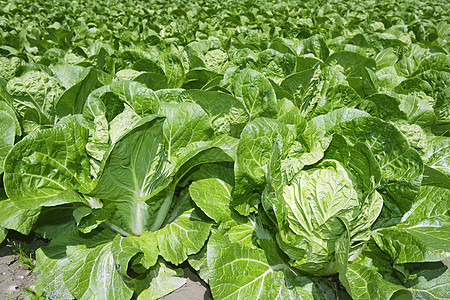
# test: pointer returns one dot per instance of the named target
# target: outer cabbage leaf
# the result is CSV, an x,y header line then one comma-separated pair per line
x,y
213,190
317,135
67,75
401,166
200,264
417,109
36,92
183,236
416,241
430,281
383,106
82,266
9,67
371,276
315,45
6,107
262,274
205,53
289,115
92,272
97,266
227,114
297,83
74,98
256,94
7,135
48,167
337,96
186,123
200,78
169,95
55,221
386,58
118,126
367,283
133,169
276,65
253,155
154,81
352,63
430,202
108,100
141,252
21,220
173,69
323,125
437,162
305,62
50,263
319,91
159,281
189,142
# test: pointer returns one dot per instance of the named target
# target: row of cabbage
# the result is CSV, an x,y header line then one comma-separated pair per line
x,y
282,150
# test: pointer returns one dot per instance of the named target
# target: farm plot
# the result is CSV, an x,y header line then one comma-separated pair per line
x,y
280,150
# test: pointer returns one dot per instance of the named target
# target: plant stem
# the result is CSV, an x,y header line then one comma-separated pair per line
x,y
116,229
175,212
164,209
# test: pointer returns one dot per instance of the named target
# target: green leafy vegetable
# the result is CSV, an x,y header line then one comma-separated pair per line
x,y
281,149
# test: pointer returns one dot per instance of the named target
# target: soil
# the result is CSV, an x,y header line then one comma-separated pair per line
x,y
14,276
194,289
447,260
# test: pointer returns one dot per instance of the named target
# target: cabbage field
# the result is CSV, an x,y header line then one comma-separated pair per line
x,y
281,149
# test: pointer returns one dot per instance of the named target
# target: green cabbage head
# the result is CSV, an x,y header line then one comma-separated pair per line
x,y
320,210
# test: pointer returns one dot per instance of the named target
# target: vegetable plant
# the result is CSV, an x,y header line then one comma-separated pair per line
x,y
281,150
